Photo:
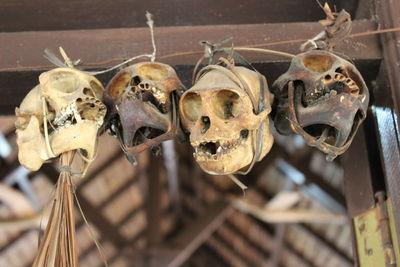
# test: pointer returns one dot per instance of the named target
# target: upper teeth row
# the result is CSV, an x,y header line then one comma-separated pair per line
x,y
158,93
223,143
222,147
65,113
350,83
64,116
226,148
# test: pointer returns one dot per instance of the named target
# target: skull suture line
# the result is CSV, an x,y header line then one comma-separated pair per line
x,y
66,110
323,98
228,128
142,100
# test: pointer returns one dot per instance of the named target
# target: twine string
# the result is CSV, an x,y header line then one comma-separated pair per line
x,y
68,169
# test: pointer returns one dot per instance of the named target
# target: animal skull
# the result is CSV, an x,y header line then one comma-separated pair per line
x,y
227,128
142,100
323,98
66,106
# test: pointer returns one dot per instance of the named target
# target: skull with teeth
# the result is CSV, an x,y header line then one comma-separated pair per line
x,y
142,100
323,98
228,129
63,113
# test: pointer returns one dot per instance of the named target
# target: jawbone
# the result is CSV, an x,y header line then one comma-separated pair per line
x,y
221,157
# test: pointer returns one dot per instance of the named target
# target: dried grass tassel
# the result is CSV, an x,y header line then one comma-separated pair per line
x,y
57,247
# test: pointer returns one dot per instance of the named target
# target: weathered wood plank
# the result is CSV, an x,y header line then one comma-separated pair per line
x,y
21,60
39,15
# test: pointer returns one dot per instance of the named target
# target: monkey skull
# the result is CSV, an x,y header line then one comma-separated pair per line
x,y
142,100
221,112
323,98
62,113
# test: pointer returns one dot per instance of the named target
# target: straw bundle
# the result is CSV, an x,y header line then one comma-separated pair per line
x,y
57,247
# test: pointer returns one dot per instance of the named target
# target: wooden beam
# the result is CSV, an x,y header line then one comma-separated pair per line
x,y
22,61
24,50
153,201
387,15
260,256
191,238
226,251
206,256
322,241
22,15
358,183
302,164
326,244
386,109
287,248
187,240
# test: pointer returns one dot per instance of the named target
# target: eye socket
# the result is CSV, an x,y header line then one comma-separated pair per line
x,y
318,63
191,106
88,92
358,82
226,104
118,85
64,81
97,88
154,72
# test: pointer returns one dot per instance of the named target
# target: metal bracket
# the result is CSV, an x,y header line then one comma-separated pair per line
x,y
376,239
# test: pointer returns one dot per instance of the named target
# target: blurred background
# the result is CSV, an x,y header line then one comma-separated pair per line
x,y
141,220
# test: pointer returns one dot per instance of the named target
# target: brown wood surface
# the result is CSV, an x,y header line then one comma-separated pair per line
x,y
359,189
25,15
21,60
24,50
386,109
153,201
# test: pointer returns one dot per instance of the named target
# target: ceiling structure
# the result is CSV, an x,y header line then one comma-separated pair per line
x,y
140,223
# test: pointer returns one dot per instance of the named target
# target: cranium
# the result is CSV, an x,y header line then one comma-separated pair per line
x,y
66,107
142,100
226,114
323,98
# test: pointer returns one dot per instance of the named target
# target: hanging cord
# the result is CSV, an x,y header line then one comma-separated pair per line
x,y
188,53
264,51
67,60
68,169
50,56
99,247
152,56
337,28
150,23
46,130
67,63
126,62
238,182
211,49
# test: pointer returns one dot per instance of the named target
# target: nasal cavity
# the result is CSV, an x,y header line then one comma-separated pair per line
x,y
204,124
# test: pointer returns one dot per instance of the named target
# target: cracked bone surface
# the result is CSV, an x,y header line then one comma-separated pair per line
x,y
74,110
219,116
330,101
142,100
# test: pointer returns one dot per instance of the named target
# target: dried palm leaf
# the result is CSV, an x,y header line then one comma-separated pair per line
x,y
57,247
